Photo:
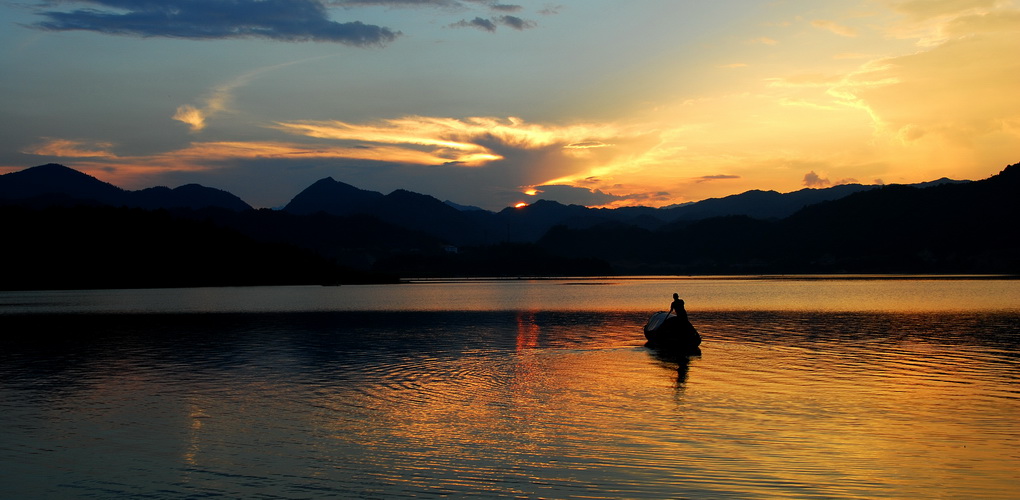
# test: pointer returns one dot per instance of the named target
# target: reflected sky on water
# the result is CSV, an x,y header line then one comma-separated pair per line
x,y
792,293
558,403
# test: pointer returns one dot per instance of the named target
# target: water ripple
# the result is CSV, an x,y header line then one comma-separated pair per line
x,y
511,404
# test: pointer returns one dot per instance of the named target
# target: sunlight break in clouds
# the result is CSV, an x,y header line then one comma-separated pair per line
x,y
207,156
469,142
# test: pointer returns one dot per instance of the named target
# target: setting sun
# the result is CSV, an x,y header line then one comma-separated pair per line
x,y
520,205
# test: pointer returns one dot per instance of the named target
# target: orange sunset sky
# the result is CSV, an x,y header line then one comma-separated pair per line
x,y
489,103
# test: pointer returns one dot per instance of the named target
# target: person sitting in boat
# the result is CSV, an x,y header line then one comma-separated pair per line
x,y
677,306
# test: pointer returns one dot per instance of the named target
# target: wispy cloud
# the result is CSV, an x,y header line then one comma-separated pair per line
x,y
68,148
469,142
587,145
220,97
719,177
834,27
285,20
960,91
813,180
484,23
926,9
490,4
491,24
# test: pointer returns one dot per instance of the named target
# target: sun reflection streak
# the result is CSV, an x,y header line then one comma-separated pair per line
x,y
527,331
197,417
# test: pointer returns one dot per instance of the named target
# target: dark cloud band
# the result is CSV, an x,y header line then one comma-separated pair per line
x,y
286,20
490,25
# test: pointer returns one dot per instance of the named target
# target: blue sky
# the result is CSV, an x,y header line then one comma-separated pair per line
x,y
602,103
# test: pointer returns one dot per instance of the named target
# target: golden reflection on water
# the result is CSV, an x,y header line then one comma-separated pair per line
x,y
882,418
527,330
747,419
527,403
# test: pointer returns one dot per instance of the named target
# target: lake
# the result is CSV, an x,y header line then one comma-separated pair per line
x,y
805,387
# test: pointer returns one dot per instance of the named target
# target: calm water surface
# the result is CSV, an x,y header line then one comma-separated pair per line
x,y
804,388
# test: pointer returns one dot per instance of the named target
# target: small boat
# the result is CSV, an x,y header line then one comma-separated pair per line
x,y
668,331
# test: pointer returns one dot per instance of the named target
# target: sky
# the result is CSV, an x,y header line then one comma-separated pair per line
x,y
494,102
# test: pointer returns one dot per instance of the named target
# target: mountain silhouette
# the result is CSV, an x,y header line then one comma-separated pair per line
x,y
58,182
335,232
186,196
763,204
400,208
54,184
944,228
332,197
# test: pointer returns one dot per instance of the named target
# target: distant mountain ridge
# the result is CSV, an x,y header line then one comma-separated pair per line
x,y
940,227
56,184
946,227
470,225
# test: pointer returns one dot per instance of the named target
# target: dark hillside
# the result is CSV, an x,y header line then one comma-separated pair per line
x,y
105,247
946,228
57,185
53,179
332,197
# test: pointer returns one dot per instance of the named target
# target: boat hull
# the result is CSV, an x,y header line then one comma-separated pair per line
x,y
666,331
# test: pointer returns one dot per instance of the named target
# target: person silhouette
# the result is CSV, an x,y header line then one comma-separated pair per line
x,y
677,306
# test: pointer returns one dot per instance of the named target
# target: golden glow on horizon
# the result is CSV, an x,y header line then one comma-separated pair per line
x,y
520,205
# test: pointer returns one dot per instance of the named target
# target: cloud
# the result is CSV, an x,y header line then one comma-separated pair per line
x,y
67,148
993,22
960,91
469,142
512,152
455,4
834,27
219,98
491,24
572,195
707,178
926,9
488,24
285,20
194,117
813,180
587,145
482,24
397,3
502,7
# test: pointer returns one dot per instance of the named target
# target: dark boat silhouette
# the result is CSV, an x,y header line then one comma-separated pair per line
x,y
670,332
